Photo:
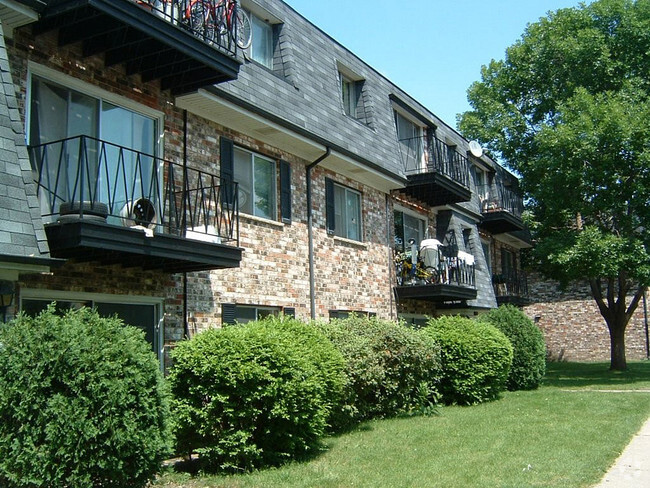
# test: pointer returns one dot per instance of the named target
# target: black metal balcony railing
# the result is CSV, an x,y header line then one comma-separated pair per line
x,y
206,19
431,155
444,270
98,180
511,284
498,198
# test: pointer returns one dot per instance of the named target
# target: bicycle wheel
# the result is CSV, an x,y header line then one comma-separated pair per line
x,y
244,35
196,18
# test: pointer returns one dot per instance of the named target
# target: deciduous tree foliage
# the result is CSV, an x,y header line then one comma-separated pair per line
x,y
568,108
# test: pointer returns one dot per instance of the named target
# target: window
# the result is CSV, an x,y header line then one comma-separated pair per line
x,y
143,313
349,95
240,314
408,226
261,49
409,135
256,176
344,314
508,263
343,211
57,112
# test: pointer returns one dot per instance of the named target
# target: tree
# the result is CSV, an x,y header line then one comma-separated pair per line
x,y
568,109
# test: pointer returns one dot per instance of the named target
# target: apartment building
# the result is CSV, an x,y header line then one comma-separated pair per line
x,y
183,179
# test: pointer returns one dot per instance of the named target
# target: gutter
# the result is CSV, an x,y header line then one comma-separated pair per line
x,y
310,233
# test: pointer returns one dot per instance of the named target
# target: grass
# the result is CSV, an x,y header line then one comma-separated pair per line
x,y
564,434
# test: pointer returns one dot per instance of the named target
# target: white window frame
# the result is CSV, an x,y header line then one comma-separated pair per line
x,y
93,91
345,233
268,28
350,103
274,163
68,296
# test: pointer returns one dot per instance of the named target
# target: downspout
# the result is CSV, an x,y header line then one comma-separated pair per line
x,y
391,261
186,327
310,234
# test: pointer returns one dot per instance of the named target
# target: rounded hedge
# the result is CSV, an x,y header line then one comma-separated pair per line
x,y
529,349
82,403
476,358
254,395
391,368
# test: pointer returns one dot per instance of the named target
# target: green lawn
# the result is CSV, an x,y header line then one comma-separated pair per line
x,y
565,434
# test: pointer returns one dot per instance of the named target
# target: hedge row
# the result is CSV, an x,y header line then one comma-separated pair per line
x,y
83,402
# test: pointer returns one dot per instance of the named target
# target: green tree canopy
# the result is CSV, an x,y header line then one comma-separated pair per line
x,y
568,109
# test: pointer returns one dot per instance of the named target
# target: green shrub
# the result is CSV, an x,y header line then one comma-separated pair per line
x,y
476,359
529,350
82,403
391,368
254,395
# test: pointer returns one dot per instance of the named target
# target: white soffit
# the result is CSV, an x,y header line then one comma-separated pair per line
x,y
14,14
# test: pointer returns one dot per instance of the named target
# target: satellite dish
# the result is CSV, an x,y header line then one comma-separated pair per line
x,y
475,148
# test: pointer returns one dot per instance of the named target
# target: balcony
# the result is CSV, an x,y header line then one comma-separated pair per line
x,y
437,276
501,208
437,173
156,39
511,288
108,203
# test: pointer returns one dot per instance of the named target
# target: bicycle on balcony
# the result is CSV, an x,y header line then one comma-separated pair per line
x,y
218,20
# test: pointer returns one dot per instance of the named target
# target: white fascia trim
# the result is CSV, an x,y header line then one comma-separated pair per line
x,y
216,99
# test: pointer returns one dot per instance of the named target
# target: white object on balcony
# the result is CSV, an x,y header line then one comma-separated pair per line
x,y
466,258
203,233
429,252
140,213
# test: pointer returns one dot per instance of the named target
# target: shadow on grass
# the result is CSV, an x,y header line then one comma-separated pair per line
x,y
597,376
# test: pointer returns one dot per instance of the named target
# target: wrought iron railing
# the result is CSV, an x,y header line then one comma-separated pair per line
x,y
511,284
203,18
439,269
499,198
83,177
430,155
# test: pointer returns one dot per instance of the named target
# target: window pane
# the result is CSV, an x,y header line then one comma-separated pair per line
x,y
262,46
353,211
349,96
264,188
340,227
399,231
413,229
244,177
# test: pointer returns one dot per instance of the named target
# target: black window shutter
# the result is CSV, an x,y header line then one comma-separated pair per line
x,y
227,162
289,312
285,191
329,205
228,313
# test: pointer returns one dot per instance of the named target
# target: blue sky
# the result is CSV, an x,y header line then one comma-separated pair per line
x,y
432,49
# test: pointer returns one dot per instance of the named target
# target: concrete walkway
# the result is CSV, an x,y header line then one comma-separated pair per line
x,y
632,468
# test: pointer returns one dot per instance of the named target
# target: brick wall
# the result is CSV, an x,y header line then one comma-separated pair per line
x,y
572,325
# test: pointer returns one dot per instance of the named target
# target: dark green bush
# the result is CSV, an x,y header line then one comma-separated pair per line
x,y
529,349
254,395
82,403
476,359
391,368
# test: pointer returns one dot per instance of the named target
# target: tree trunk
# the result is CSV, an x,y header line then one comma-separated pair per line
x,y
613,309
618,361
